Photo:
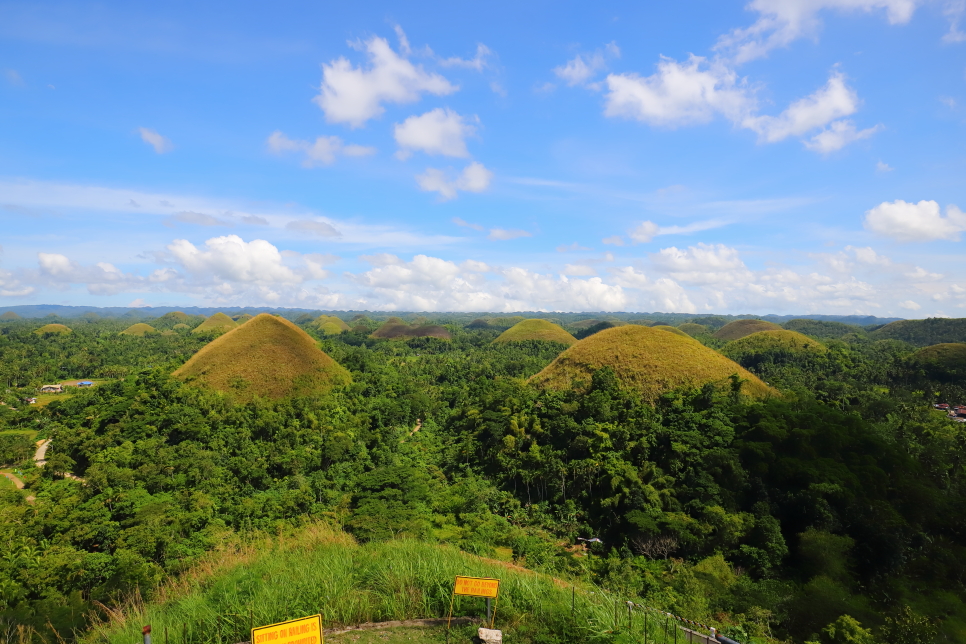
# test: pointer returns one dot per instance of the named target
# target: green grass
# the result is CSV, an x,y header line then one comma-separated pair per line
x,y
321,570
139,330
741,328
693,329
267,357
949,355
647,359
217,322
330,325
178,316
536,329
672,329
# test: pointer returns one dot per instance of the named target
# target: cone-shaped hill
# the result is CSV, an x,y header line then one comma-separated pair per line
x,y
330,325
693,329
10,315
396,329
217,322
671,329
139,330
536,329
741,328
649,360
781,341
267,357
244,317
50,329
176,316
943,362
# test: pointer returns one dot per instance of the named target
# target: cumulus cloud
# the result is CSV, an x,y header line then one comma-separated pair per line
x,y
439,131
781,22
921,221
232,258
155,140
313,227
954,10
837,135
909,305
702,264
678,94
353,95
102,278
474,178
883,167
323,151
827,104
868,256
478,62
581,68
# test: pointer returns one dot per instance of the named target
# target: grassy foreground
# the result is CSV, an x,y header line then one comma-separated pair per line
x,y
321,569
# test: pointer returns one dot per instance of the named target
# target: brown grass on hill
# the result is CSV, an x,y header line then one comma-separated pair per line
x,y
693,329
217,322
671,329
741,328
244,317
180,326
536,329
585,324
139,330
330,324
781,340
50,329
177,315
401,331
947,354
10,315
649,360
267,357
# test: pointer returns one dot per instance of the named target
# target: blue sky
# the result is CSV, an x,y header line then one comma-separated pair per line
x,y
779,156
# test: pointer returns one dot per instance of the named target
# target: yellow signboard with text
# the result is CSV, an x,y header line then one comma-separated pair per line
x,y
307,630
477,586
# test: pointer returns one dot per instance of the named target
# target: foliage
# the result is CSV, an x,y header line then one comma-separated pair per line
x,y
922,333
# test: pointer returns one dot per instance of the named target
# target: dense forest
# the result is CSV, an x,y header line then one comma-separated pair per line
x,y
829,511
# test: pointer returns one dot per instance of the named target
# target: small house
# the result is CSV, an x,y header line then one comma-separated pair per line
x,y
51,389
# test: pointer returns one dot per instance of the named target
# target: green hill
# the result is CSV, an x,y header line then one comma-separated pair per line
x,y
10,315
268,357
322,570
781,340
693,329
672,329
822,328
396,329
741,328
181,326
51,329
139,330
330,325
177,316
535,329
217,322
923,333
244,317
944,363
649,360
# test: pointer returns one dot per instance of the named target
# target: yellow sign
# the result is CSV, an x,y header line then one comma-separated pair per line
x,y
307,630
476,587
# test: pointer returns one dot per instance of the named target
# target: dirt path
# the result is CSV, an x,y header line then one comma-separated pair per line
x,y
40,456
15,480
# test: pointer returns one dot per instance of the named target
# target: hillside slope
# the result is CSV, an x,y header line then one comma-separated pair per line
x,y
923,333
740,328
536,329
267,357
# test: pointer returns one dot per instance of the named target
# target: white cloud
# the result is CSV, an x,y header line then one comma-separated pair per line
x,y
645,231
579,270
312,227
439,131
155,140
478,62
827,104
581,68
919,273
678,94
231,258
198,219
648,230
466,224
781,22
323,151
702,264
614,240
915,221
868,256
566,248
474,178
353,95
501,234
883,167
837,135
954,10
909,305
101,278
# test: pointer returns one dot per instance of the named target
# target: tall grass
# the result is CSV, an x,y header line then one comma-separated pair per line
x,y
324,571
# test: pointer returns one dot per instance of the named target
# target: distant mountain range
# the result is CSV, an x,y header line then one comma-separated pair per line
x,y
65,311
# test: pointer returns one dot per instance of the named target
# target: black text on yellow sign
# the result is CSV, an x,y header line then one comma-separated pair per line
x,y
477,586
307,630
